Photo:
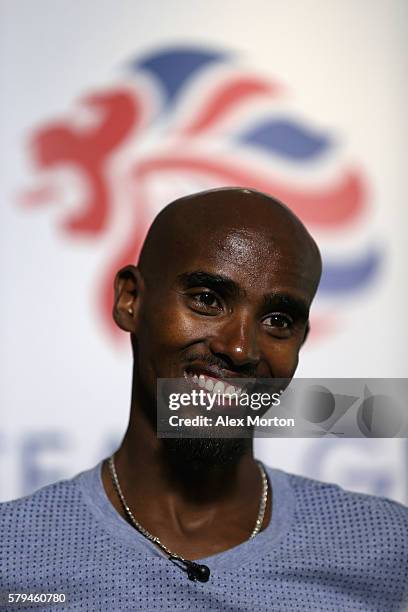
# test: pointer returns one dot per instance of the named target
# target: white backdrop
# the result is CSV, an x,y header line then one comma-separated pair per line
x,y
326,104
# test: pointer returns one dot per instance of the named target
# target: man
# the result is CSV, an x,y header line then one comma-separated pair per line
x,y
222,291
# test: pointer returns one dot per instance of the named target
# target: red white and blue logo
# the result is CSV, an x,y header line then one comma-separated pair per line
x,y
184,119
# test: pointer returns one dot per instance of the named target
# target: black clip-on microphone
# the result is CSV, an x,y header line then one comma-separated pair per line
x,y
195,571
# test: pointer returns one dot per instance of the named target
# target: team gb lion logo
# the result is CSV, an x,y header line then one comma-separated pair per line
x,y
184,119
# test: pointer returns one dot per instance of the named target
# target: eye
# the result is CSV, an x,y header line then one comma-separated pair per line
x,y
278,321
206,302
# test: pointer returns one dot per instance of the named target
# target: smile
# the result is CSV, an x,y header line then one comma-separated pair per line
x,y
213,384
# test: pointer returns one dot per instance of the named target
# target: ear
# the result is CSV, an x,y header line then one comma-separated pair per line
x,y
128,287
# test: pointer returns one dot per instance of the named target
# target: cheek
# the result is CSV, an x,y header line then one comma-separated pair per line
x,y
283,357
171,327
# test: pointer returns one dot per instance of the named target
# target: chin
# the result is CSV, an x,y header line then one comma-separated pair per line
x,y
203,454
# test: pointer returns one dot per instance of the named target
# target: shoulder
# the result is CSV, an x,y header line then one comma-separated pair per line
x,y
334,513
330,498
41,510
354,543
44,534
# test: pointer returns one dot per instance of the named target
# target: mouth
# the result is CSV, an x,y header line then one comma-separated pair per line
x,y
212,383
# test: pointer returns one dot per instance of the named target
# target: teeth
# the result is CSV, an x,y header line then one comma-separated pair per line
x,y
209,384
201,380
218,387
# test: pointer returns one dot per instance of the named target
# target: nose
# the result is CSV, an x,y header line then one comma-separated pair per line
x,y
237,340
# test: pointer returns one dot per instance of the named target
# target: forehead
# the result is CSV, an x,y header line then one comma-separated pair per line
x,y
259,259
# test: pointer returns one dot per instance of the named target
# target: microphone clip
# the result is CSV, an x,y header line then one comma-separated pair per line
x,y
195,571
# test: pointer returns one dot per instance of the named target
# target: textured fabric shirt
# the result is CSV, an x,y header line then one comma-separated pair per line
x,y
324,549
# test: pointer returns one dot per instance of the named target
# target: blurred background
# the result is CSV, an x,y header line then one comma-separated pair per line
x,y
111,110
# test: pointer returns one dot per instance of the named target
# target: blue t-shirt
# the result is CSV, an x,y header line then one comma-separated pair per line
x,y
325,549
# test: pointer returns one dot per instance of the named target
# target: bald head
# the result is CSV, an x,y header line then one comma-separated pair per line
x,y
231,222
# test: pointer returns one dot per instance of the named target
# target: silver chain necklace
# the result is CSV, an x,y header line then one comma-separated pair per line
x,y
195,571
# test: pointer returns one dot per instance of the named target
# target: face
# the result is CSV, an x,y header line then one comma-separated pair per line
x,y
232,303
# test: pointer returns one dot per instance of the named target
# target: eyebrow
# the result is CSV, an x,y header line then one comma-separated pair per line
x,y
296,307
217,282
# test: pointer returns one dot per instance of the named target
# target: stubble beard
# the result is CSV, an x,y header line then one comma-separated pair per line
x,y
203,455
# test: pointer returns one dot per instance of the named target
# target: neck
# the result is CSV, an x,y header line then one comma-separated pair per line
x,y
186,502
